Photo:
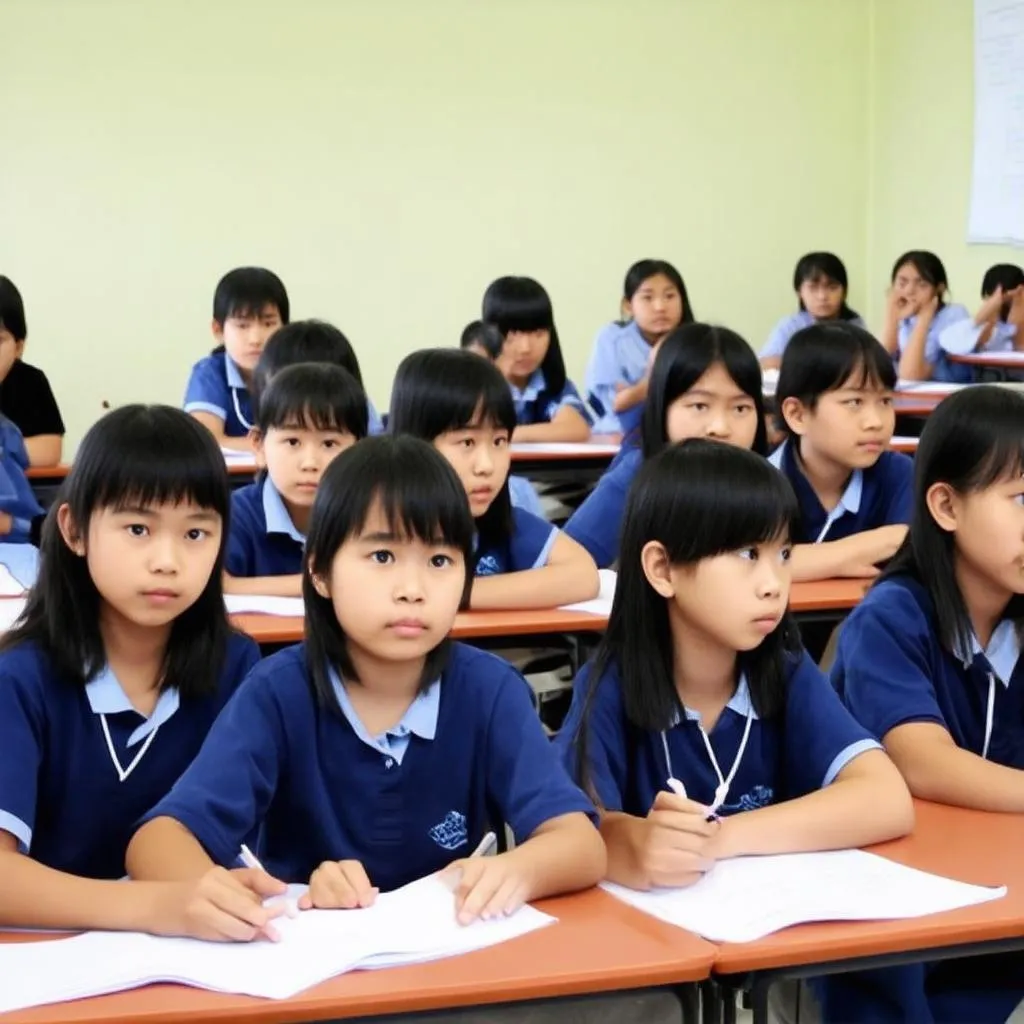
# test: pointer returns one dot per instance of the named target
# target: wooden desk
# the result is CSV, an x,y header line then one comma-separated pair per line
x,y
993,360
598,945
907,445
971,846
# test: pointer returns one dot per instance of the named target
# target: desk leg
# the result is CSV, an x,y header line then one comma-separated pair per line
x,y
689,1000
710,1003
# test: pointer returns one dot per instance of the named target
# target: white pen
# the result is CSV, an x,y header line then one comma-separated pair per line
x,y
250,860
485,845
674,784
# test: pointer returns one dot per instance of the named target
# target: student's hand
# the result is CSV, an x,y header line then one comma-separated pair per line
x,y
339,884
929,309
1016,314
6,523
897,307
487,887
223,906
679,845
989,311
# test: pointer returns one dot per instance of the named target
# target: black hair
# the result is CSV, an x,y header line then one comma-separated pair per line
x,y
826,356
135,456
247,291
12,309
973,439
929,266
420,496
1007,276
699,499
642,270
315,396
522,304
486,336
684,357
823,266
441,389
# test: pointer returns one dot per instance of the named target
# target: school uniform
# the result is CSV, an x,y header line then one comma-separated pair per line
x,y
374,423
777,341
527,547
26,399
216,386
262,540
469,755
943,369
891,669
534,403
620,356
961,338
80,766
17,498
784,757
597,523
880,495
524,496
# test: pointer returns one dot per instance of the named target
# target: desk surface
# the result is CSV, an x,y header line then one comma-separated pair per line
x,y
917,404
971,846
1009,360
598,945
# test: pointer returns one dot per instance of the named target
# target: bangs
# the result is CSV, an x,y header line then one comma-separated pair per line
x,y
873,371
313,396
518,304
820,266
412,515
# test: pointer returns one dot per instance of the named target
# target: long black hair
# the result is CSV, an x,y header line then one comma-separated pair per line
x,y
135,456
929,266
643,270
823,266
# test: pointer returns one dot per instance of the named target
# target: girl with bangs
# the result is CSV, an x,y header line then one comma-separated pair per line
x,y
701,728
460,404
115,672
705,382
548,407
377,752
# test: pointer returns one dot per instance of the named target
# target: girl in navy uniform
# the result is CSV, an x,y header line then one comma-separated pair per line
x,y
115,672
460,403
929,662
705,382
379,752
701,728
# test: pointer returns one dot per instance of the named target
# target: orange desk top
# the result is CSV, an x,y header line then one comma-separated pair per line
x,y
598,945
1006,360
57,472
971,846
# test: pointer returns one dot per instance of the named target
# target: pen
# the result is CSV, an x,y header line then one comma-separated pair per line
x,y
250,860
680,790
485,845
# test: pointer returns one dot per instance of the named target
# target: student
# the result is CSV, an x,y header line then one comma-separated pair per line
x,y
461,404
699,680
998,326
308,415
309,341
930,663
26,398
835,396
820,284
655,303
114,673
20,512
379,752
916,314
705,382
548,406
250,303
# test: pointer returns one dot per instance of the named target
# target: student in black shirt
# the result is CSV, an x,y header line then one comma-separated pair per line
x,y
25,395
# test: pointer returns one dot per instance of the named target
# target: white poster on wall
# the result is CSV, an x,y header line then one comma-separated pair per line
x,y
997,185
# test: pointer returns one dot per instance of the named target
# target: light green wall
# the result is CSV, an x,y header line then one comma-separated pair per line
x,y
390,159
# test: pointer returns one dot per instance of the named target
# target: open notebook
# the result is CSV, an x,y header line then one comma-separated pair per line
x,y
410,925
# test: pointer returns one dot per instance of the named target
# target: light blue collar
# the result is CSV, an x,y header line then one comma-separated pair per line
x,y
849,501
534,386
739,702
420,717
233,374
106,697
1002,653
276,514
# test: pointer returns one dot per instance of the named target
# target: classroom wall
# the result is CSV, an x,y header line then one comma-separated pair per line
x,y
921,145
390,159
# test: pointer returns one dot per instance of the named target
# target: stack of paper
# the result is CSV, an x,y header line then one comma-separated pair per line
x,y
747,898
233,457
239,604
584,448
413,924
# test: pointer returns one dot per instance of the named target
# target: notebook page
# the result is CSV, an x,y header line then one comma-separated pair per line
x,y
563,448
747,898
238,604
236,457
10,609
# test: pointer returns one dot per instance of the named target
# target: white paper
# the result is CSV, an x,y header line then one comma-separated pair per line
x,y
239,604
747,898
10,609
997,184
930,387
234,457
602,604
563,448
411,925
902,443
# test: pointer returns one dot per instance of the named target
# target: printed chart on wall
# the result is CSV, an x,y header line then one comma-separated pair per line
x,y
997,191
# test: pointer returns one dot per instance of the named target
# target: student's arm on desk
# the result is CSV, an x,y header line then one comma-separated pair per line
x,y
566,425
44,449
631,395
270,586
771,362
570,576
937,769
215,425
856,556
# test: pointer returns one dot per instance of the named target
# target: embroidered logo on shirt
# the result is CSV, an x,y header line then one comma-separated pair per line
x,y
451,833
488,565
759,796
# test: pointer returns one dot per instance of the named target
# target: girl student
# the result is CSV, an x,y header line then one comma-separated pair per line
x,y
820,283
700,727
460,404
930,663
249,304
307,416
655,303
916,314
548,406
116,670
705,382
998,326
379,752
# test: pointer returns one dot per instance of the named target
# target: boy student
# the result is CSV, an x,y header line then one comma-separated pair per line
x,y
250,303
835,397
308,414
25,395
